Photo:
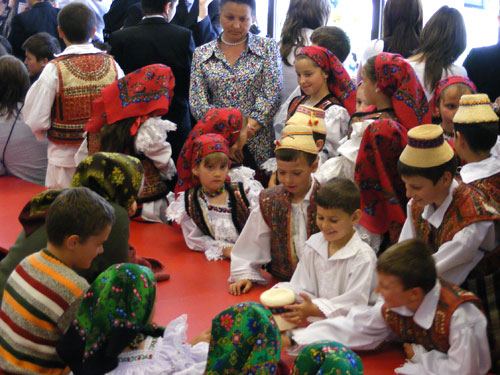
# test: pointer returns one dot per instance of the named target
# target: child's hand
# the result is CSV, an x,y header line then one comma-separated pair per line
x,y
202,337
408,350
226,251
299,312
240,287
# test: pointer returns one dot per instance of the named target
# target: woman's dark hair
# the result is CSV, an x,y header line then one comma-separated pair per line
x,y
14,84
250,3
402,26
116,137
301,14
443,40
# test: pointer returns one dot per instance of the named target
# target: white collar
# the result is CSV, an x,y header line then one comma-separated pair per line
x,y
435,216
79,49
154,16
424,316
482,169
318,243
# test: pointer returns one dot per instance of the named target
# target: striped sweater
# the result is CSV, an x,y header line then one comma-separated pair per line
x,y
39,302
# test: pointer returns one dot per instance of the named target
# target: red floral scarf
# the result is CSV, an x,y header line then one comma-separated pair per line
x,y
445,83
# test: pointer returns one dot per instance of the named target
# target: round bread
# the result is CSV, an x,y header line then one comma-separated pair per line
x,y
276,297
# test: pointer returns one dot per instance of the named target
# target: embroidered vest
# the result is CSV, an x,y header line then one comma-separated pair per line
x,y
238,204
467,206
438,335
276,209
490,186
81,78
323,104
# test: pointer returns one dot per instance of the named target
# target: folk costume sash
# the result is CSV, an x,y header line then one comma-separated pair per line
x,y
238,204
81,78
276,209
323,104
438,335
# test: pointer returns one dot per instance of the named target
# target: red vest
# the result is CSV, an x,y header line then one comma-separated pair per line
x,y
490,186
438,335
276,209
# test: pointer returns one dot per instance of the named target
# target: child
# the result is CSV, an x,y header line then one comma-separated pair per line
x,y
445,101
337,269
213,213
476,132
43,292
60,102
278,228
442,326
126,119
113,333
39,50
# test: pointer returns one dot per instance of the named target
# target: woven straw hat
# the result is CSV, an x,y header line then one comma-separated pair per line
x,y
426,147
309,116
275,299
297,137
475,109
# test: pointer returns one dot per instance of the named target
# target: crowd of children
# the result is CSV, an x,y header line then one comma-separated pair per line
x,y
367,221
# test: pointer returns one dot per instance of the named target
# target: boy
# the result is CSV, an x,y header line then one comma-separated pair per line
x,y
59,103
276,230
39,49
441,325
337,269
476,132
43,293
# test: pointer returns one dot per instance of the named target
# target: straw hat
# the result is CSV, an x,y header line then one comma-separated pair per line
x,y
297,137
275,299
475,109
426,147
310,116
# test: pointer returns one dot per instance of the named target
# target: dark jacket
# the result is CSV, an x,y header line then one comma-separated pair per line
x,y
483,68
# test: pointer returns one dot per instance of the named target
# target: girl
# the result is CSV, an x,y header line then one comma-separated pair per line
x,y
212,212
391,85
126,119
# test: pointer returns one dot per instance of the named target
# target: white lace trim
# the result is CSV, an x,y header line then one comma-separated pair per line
x,y
154,130
176,209
270,165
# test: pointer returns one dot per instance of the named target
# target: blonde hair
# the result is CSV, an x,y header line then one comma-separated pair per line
x,y
215,158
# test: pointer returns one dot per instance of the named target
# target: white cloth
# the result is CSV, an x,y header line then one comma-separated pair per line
x,y
364,328
456,258
37,115
334,283
167,355
471,172
496,148
218,217
337,124
253,247
374,47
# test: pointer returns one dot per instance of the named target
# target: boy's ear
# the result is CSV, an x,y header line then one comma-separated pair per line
x,y
319,144
93,33
45,61
416,294
71,241
60,32
196,170
356,217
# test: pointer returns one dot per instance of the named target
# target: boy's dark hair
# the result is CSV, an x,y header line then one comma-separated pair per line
x,y
431,173
77,22
150,7
14,84
410,261
4,42
319,136
480,137
251,3
77,211
339,193
290,154
42,46
332,38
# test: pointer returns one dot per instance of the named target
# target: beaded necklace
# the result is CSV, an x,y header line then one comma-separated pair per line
x,y
215,193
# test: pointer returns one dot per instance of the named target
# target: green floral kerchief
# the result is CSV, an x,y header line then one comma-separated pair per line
x,y
114,312
327,358
115,177
245,340
34,212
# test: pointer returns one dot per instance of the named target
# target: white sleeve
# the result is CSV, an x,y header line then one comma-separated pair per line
x,y
337,123
119,71
251,186
469,352
251,250
408,231
39,100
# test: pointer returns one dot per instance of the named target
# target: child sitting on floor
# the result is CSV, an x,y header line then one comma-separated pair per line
x,y
278,228
337,269
214,211
442,326
43,293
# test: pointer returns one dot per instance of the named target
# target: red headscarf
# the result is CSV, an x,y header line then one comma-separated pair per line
x,y
144,93
208,144
442,85
224,121
339,81
397,79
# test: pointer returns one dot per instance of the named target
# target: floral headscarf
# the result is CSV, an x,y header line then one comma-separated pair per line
x,y
339,81
327,358
144,93
226,122
245,340
397,79
114,312
207,144
445,83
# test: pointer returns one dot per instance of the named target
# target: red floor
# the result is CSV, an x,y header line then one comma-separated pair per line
x,y
197,287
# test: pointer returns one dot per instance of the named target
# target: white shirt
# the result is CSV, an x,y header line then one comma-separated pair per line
x,y
253,248
456,258
364,328
471,172
38,107
335,283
